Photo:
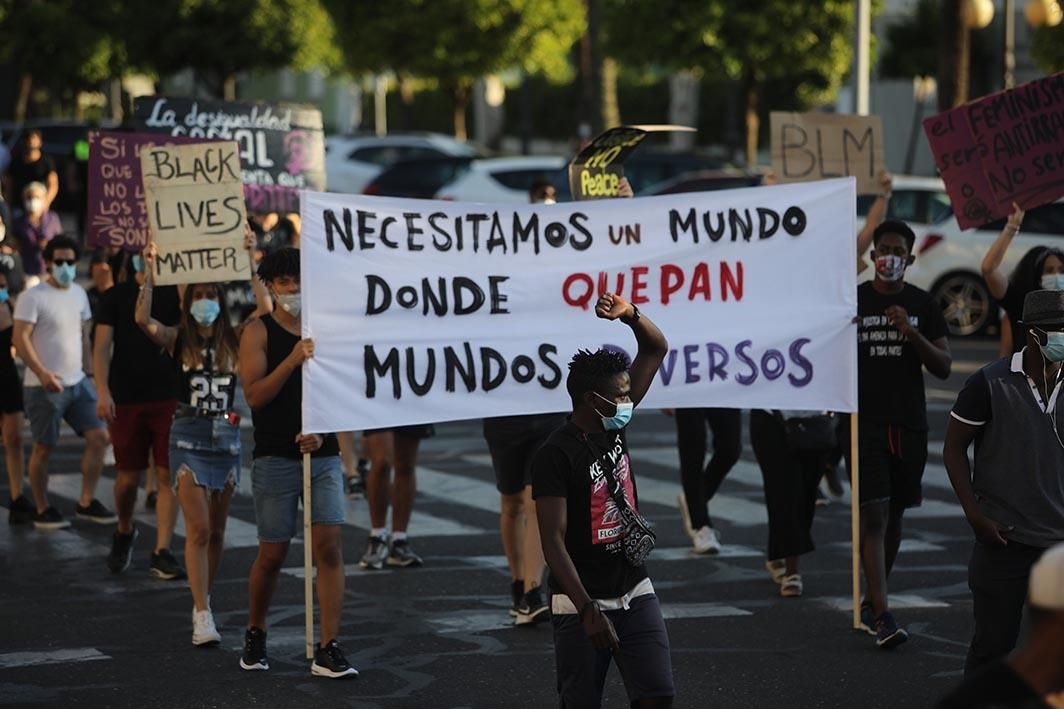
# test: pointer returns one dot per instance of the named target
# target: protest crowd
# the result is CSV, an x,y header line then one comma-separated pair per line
x,y
147,368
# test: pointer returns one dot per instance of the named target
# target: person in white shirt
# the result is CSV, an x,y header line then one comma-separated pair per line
x,y
51,337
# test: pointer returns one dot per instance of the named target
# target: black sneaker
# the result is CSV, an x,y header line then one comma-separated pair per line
x,y
121,551
50,519
532,609
355,486
21,511
96,512
888,634
254,657
402,555
376,553
329,661
151,500
517,594
164,566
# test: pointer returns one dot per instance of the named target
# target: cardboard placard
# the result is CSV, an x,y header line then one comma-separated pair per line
x,y
819,146
596,172
195,202
1003,148
117,215
282,147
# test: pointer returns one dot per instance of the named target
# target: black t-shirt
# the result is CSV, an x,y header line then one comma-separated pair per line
x,y
995,687
22,173
890,379
572,464
203,387
141,371
1012,304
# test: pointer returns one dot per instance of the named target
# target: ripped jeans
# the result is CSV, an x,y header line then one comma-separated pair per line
x,y
207,449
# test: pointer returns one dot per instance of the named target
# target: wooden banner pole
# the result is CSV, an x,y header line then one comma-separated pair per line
x,y
855,522
308,542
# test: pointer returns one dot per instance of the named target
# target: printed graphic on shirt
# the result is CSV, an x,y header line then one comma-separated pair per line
x,y
881,338
605,517
210,390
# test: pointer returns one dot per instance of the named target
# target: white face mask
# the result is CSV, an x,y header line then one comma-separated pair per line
x,y
1053,281
34,205
290,303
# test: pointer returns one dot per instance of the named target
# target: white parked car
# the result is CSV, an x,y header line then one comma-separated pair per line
x,y
352,161
502,179
948,260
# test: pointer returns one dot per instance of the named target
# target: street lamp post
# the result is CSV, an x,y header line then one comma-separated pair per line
x,y
1038,13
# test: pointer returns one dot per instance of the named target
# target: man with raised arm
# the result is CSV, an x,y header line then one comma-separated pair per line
x,y
601,602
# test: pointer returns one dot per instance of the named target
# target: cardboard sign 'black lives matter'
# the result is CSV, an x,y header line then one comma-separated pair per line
x,y
597,171
819,146
195,203
282,147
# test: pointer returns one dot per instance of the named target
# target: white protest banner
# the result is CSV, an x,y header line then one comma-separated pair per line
x,y
195,203
437,311
817,146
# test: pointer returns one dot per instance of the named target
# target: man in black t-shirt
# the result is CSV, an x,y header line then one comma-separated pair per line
x,y
136,394
900,330
601,604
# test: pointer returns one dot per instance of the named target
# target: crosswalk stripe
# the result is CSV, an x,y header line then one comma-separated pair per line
x,y
66,656
895,600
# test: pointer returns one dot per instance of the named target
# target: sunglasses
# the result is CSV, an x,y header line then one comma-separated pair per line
x,y
65,261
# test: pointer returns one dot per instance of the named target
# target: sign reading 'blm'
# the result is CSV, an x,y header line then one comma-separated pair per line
x,y
425,311
117,215
816,146
195,206
1004,148
282,147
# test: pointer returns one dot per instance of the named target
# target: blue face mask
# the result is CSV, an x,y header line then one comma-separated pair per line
x,y
138,263
620,419
1053,349
64,274
205,311
4,295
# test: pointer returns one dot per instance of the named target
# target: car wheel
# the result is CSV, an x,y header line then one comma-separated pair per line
x,y
966,303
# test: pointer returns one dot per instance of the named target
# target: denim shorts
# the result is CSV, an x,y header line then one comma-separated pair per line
x,y
208,449
277,484
75,404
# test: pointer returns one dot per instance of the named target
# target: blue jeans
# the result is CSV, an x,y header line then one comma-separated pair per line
x,y
207,449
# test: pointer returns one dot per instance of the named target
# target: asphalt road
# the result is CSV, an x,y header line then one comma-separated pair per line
x,y
439,636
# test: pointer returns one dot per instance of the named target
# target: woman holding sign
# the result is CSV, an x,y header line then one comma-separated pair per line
x,y
205,434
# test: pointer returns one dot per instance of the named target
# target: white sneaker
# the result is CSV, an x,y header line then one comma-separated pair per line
x,y
791,586
707,541
203,630
685,515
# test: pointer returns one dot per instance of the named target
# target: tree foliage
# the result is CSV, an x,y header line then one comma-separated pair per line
x,y
1047,48
218,39
458,41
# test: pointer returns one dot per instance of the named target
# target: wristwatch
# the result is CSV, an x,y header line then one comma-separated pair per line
x,y
634,317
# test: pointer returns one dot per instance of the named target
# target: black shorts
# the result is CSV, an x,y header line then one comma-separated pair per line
x,y
10,390
419,431
513,442
645,663
892,464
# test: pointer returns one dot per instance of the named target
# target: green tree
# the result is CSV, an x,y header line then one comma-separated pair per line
x,y
457,42
219,39
1047,48
64,46
750,41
